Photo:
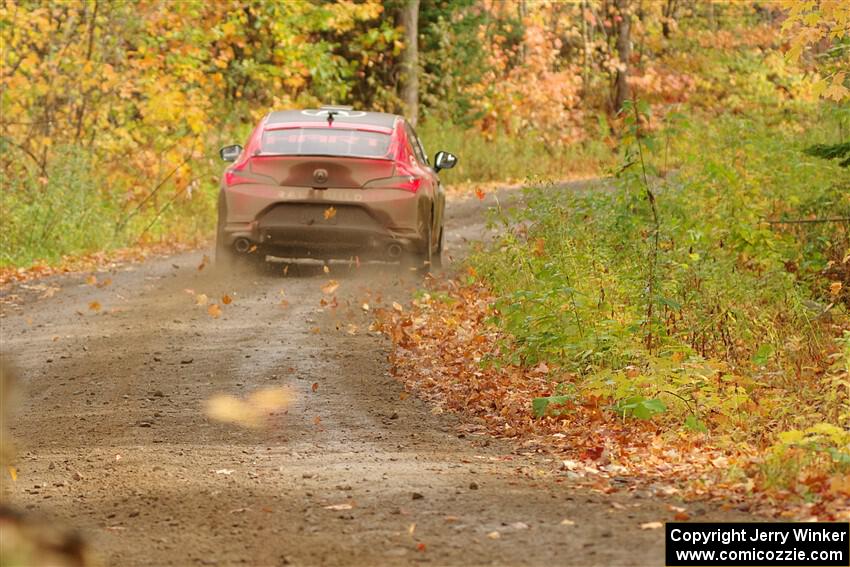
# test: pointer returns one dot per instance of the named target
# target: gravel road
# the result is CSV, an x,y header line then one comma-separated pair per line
x,y
113,439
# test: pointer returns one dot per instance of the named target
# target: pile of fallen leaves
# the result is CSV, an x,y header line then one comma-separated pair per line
x,y
444,350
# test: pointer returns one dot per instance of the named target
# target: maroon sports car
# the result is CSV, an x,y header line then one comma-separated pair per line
x,y
332,183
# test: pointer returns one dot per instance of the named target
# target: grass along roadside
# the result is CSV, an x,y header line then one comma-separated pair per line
x,y
698,341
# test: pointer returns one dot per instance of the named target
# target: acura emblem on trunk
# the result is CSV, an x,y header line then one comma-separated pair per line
x,y
320,175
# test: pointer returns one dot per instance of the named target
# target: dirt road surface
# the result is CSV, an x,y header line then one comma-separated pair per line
x,y
112,436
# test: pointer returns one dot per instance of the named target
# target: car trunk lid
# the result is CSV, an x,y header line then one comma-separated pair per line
x,y
320,172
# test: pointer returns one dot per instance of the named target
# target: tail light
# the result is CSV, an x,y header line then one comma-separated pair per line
x,y
235,175
405,182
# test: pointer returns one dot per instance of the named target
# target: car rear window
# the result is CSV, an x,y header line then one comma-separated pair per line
x,y
325,142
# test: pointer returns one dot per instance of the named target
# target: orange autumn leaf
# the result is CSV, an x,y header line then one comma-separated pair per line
x,y
330,287
330,213
94,306
214,310
315,386
539,247
479,192
226,299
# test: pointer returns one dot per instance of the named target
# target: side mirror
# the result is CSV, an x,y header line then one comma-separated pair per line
x,y
444,160
230,153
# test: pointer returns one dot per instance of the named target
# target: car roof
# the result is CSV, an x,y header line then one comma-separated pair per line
x,y
341,115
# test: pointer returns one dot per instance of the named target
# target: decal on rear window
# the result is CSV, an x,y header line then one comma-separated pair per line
x,y
325,142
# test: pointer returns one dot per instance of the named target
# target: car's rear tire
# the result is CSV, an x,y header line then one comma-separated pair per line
x,y
427,260
437,256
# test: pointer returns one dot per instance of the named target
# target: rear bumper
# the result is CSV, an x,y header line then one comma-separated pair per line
x,y
330,223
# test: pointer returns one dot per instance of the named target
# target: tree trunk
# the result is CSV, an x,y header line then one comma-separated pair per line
x,y
624,50
522,13
585,38
410,60
669,13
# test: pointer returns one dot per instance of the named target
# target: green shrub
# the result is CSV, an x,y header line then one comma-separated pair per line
x,y
728,313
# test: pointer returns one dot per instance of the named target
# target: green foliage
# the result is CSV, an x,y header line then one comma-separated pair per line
x,y
739,306
640,407
821,447
55,214
506,157
549,405
832,151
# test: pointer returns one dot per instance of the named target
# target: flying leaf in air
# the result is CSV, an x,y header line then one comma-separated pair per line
x,y
251,411
330,287
330,213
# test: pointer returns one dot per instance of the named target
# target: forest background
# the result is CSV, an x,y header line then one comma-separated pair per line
x,y
705,292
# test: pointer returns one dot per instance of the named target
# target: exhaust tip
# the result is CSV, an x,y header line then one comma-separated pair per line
x,y
394,250
242,245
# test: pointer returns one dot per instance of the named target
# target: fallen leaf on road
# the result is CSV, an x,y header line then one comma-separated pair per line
x,y
566,522
420,547
651,526
519,526
479,192
315,386
411,528
398,307
365,307
326,269
204,261
106,282
339,507
494,535
94,306
91,279
201,299
49,292
682,517
13,472
330,287
225,471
